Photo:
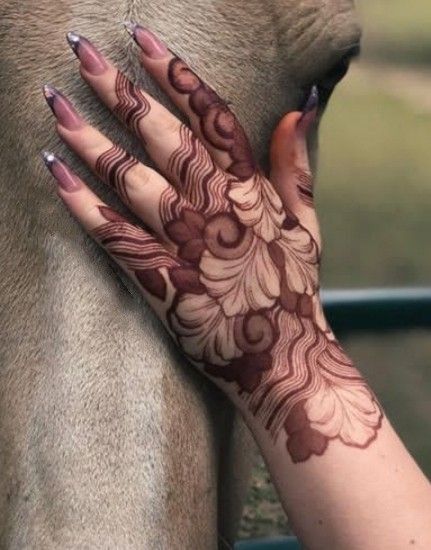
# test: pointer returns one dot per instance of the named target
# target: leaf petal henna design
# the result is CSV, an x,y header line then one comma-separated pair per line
x,y
259,206
247,282
314,393
239,283
203,331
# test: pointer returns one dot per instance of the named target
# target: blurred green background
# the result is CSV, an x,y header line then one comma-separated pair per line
x,y
374,203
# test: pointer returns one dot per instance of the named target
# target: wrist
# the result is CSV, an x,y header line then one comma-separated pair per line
x,y
305,389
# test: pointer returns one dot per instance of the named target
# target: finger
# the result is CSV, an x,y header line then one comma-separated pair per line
x,y
138,253
210,117
172,146
290,168
142,189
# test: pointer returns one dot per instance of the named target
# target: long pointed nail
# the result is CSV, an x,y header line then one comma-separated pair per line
x,y
91,59
66,179
63,110
149,43
312,101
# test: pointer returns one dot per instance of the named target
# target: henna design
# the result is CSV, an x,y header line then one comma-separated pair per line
x,y
305,186
112,166
218,124
202,182
132,105
243,300
138,250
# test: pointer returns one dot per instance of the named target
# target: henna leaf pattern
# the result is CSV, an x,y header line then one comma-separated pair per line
x,y
239,280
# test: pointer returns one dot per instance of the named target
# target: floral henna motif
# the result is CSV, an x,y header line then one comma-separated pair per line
x,y
132,105
241,292
112,166
255,320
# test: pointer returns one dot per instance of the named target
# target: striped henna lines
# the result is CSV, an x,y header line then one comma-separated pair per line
x,y
112,166
305,186
139,251
132,105
201,180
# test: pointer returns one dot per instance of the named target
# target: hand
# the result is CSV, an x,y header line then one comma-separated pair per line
x,y
227,258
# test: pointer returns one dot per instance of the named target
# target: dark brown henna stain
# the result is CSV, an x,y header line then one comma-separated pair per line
x,y
137,249
200,179
303,441
247,371
218,124
245,301
305,186
187,233
132,105
112,166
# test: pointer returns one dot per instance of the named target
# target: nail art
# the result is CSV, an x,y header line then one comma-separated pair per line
x,y
63,110
66,179
312,101
149,43
91,59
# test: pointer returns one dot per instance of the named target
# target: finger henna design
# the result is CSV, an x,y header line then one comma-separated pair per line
x,y
112,166
218,124
132,105
305,186
245,301
201,180
138,250
241,292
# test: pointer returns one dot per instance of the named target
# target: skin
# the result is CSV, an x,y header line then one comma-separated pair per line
x,y
92,451
228,258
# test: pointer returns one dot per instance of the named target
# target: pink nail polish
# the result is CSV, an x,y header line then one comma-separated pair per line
x,y
149,43
66,179
63,110
91,59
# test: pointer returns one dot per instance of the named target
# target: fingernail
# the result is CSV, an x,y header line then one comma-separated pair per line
x,y
91,59
66,179
149,43
312,101
63,110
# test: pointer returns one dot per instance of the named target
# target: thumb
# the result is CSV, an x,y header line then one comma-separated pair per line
x,y
290,168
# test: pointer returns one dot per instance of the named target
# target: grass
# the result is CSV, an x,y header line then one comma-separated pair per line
x,y
374,189
396,31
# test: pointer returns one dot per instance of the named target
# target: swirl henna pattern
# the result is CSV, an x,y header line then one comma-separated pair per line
x,y
241,291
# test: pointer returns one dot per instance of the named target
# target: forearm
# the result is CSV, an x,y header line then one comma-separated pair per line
x,y
338,494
